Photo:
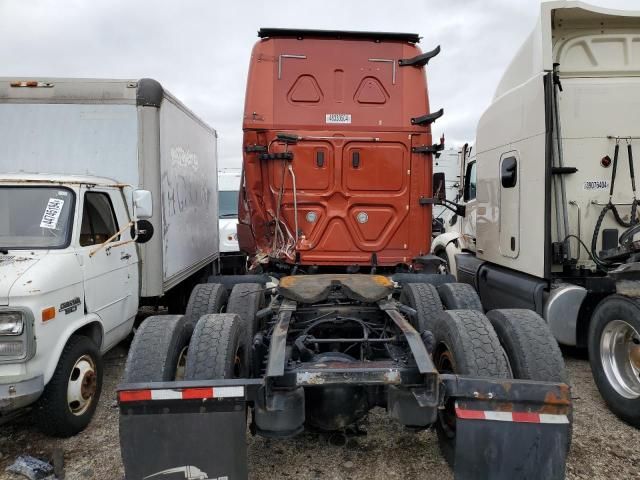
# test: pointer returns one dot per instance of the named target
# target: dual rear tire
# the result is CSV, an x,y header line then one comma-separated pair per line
x,y
509,343
212,346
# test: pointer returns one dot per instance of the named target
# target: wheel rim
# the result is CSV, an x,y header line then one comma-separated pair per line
x,y
445,363
239,369
620,357
181,366
82,385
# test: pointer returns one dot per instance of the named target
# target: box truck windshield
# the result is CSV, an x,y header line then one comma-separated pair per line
x,y
35,217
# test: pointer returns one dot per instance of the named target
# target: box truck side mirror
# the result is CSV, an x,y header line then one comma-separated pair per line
x,y
142,231
142,204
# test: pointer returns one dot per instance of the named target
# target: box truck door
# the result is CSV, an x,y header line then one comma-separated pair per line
x,y
110,273
509,205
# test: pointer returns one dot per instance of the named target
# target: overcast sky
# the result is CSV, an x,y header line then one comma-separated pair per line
x,y
199,50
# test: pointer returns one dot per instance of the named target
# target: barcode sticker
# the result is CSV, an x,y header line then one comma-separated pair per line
x,y
52,213
338,118
596,185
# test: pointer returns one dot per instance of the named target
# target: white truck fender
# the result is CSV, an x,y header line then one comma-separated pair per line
x,y
446,242
90,318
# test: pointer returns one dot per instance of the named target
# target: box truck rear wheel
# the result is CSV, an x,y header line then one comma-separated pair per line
x,y
205,298
465,344
424,299
245,300
71,396
158,351
460,296
614,354
218,348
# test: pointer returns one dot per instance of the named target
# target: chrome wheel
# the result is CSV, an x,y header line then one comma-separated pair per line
x,y
620,356
82,385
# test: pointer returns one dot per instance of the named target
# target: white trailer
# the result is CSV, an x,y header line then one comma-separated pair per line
x,y
553,223
108,201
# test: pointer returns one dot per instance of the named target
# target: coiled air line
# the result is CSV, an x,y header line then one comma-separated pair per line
x,y
633,221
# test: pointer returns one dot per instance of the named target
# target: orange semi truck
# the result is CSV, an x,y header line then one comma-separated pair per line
x,y
348,312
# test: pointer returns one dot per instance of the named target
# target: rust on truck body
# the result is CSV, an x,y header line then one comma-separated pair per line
x,y
342,105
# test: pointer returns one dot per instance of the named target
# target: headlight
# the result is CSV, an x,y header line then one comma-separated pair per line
x,y
11,323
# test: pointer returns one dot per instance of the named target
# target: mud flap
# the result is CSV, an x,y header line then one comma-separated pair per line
x,y
183,432
507,430
506,450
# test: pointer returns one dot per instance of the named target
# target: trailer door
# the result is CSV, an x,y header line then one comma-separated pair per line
x,y
509,205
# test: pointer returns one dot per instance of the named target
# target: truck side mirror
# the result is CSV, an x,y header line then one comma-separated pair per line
x,y
142,204
439,186
142,231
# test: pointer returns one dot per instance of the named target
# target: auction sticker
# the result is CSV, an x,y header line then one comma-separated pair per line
x,y
338,118
52,213
596,185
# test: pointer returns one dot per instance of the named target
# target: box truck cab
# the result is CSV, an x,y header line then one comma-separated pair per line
x,y
73,267
68,287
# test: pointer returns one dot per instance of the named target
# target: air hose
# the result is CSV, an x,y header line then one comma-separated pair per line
x,y
633,221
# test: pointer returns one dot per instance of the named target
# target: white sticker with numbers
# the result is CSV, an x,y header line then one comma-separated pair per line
x,y
338,118
52,213
596,185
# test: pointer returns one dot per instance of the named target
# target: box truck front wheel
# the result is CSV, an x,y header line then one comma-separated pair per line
x,y
158,351
465,344
218,348
614,353
71,396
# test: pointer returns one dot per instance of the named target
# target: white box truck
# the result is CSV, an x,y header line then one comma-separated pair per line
x,y
108,201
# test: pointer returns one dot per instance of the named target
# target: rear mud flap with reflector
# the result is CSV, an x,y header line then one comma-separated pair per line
x,y
509,445
183,432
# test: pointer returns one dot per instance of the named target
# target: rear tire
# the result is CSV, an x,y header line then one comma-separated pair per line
x,y
424,299
218,348
465,344
245,300
460,296
205,298
614,354
158,351
531,348
71,396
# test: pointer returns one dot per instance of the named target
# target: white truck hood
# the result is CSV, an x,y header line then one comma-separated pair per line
x,y
12,267
228,228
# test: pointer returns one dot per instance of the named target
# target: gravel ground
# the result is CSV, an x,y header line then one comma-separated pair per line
x,y
603,447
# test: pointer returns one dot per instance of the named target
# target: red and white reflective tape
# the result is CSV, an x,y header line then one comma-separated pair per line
x,y
181,394
518,417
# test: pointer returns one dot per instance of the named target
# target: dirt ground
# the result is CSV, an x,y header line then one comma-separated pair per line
x,y
603,447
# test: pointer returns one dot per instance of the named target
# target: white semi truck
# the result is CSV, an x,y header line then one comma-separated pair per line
x,y
447,163
550,217
108,201
232,260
